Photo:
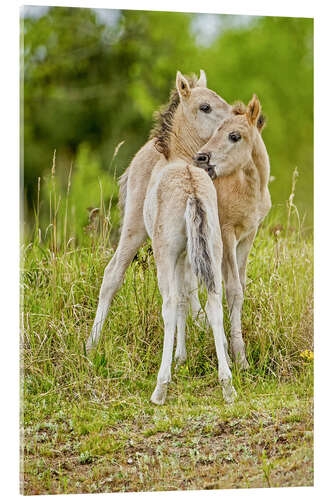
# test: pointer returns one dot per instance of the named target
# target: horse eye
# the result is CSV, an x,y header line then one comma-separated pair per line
x,y
234,136
206,108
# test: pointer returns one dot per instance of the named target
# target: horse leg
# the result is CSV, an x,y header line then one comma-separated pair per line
x,y
165,273
234,294
182,307
215,317
133,234
133,187
242,253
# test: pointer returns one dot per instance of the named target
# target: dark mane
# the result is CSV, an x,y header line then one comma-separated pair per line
x,y
163,119
239,108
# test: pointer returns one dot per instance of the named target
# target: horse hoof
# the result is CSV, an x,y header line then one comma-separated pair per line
x,y
180,360
238,354
243,364
159,394
229,393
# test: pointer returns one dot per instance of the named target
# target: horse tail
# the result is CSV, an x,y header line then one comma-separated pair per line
x,y
199,238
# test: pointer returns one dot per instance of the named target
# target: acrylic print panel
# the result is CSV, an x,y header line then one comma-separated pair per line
x,y
94,84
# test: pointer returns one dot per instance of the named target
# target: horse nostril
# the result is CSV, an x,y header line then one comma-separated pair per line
x,y
202,158
211,172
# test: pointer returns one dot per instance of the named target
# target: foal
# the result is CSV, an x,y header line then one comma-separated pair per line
x,y
180,214
237,159
191,117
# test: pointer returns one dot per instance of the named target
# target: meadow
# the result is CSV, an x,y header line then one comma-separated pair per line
x,y
91,81
87,422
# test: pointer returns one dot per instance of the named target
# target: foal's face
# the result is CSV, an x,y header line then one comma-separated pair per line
x,y
229,148
202,108
231,145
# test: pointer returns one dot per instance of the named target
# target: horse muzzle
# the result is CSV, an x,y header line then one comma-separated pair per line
x,y
202,160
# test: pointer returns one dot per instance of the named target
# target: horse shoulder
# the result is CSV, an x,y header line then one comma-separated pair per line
x,y
237,199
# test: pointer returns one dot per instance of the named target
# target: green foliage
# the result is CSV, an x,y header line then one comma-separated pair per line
x,y
78,206
91,188
97,83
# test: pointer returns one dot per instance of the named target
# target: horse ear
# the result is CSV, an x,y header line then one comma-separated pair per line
x,y
261,122
183,87
202,82
253,110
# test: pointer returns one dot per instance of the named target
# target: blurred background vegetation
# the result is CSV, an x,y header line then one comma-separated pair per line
x,y
92,78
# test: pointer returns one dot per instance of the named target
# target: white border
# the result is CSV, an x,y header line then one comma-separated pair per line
x,y
323,231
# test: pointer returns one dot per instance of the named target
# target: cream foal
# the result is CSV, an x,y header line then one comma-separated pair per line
x,y
193,113
181,218
236,158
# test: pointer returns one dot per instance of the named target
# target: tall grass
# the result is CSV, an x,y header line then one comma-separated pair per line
x,y
62,273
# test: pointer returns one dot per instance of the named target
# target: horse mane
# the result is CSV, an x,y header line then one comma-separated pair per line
x,y
163,119
239,108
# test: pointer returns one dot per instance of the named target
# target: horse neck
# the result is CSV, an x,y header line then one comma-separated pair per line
x,y
261,161
184,141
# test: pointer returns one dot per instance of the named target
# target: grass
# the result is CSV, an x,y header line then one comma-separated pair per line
x,y
88,423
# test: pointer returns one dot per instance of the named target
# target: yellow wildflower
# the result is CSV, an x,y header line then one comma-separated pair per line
x,y
308,355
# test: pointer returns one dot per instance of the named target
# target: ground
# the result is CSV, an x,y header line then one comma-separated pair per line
x,y
194,442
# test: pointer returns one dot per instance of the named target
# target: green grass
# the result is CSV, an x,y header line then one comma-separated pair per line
x,y
88,423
